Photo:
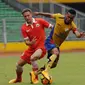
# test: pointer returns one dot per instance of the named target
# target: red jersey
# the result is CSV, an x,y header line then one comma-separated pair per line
x,y
36,29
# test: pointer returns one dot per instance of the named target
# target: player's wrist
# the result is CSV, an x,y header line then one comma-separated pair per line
x,y
81,34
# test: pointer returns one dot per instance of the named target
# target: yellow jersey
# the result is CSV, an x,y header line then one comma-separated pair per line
x,y
61,30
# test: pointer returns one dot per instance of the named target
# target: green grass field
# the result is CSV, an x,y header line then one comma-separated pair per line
x,y
70,70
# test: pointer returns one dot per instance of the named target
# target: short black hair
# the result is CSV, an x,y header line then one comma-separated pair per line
x,y
72,11
26,10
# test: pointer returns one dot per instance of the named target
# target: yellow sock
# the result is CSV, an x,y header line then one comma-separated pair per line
x,y
49,64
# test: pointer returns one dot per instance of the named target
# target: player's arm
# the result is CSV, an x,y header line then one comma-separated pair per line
x,y
46,23
26,38
76,32
44,14
28,42
79,34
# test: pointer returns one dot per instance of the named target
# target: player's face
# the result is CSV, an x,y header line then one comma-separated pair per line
x,y
68,18
28,17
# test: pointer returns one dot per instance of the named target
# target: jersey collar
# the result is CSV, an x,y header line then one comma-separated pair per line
x,y
33,21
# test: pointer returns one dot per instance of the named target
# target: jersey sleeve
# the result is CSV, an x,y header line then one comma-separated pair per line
x,y
45,23
24,34
74,27
55,16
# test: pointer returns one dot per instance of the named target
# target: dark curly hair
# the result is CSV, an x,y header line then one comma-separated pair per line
x,y
71,11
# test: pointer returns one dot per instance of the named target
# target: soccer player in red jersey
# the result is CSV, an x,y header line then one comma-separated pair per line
x,y
34,37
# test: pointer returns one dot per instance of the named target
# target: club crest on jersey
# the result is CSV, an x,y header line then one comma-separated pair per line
x,y
66,29
37,25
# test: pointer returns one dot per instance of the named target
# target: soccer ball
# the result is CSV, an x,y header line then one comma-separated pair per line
x,y
45,81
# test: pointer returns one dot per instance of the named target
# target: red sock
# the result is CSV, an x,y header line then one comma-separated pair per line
x,y
19,76
37,77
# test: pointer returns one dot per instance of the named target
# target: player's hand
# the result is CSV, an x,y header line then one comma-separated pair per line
x,y
36,13
82,34
33,40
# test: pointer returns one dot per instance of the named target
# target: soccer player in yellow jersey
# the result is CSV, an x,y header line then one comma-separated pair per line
x,y
63,25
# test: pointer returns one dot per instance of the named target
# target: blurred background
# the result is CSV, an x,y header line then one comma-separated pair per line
x,y
11,21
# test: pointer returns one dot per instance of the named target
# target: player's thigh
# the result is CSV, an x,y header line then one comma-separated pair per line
x,y
37,54
25,57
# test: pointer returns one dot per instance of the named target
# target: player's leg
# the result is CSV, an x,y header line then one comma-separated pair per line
x,y
53,51
57,53
34,57
53,60
19,71
19,68
49,44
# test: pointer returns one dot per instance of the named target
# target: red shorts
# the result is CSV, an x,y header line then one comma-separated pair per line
x,y
27,54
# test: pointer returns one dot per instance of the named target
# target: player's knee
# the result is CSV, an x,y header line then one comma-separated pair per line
x,y
34,58
31,59
19,68
55,51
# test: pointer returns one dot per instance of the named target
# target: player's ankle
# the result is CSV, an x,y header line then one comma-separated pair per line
x,y
19,79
